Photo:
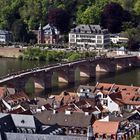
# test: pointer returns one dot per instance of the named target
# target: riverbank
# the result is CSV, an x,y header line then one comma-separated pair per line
x,y
10,52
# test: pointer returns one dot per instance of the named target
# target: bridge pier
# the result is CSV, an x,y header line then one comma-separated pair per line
x,y
92,71
71,76
47,81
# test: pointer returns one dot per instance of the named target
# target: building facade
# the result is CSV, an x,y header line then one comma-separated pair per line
x,y
117,39
89,36
5,37
48,34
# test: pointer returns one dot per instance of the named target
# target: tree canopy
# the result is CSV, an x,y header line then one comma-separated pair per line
x,y
23,16
59,18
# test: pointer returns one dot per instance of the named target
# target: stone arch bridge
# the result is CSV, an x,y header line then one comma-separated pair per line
x,y
66,71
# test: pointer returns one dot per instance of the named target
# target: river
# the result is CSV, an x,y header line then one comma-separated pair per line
x,y
126,77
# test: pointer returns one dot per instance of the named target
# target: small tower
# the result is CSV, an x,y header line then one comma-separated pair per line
x,y
40,35
90,134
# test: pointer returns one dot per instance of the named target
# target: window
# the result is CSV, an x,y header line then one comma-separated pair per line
x,y
88,90
105,102
100,137
99,41
23,130
99,95
29,131
72,40
18,130
99,37
82,90
104,96
72,35
108,138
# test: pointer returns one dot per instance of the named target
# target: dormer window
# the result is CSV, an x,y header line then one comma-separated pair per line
x,y
105,102
104,96
88,90
82,90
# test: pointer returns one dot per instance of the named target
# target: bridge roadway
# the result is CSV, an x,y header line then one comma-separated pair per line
x,y
91,62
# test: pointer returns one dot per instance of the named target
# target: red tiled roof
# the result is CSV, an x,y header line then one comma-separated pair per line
x,y
109,128
124,94
66,99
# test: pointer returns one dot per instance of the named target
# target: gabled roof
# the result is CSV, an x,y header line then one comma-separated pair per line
x,y
50,30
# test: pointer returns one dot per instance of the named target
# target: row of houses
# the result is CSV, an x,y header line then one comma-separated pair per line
x,y
81,36
101,112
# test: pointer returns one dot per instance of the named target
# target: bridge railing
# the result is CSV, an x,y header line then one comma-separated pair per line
x,y
46,66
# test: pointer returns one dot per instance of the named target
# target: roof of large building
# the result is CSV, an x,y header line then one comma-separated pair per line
x,y
64,118
88,29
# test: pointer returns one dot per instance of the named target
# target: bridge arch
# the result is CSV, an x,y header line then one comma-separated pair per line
x,y
36,82
59,77
83,71
103,67
122,64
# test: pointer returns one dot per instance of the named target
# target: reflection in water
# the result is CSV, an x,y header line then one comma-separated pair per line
x,y
128,76
124,77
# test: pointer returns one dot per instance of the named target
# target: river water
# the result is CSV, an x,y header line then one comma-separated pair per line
x,y
126,77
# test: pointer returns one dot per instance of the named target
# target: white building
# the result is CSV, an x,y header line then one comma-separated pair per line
x,y
115,38
107,102
89,36
121,51
5,37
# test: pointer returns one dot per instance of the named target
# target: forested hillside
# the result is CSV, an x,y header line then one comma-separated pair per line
x,y
22,16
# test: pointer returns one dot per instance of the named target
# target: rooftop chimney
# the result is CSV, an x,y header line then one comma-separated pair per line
x,y
54,111
67,112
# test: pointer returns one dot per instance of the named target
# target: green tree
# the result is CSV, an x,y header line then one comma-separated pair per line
x,y
137,7
133,35
74,56
9,12
19,29
59,18
91,15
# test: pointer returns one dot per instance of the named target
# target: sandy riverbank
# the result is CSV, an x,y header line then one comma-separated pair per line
x,y
10,52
